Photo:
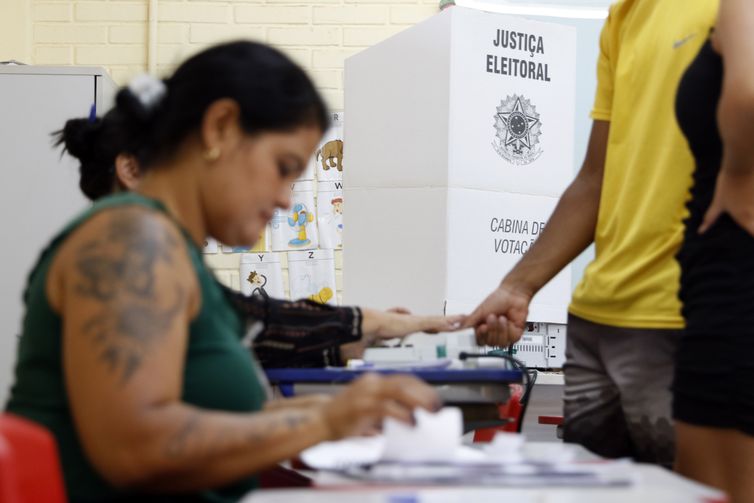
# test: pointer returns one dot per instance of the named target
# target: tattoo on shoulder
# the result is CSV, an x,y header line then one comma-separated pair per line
x,y
123,259
117,270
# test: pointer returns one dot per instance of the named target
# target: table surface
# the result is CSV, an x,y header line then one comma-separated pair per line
x,y
655,485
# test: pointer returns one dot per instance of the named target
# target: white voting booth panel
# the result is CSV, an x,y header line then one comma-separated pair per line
x,y
460,141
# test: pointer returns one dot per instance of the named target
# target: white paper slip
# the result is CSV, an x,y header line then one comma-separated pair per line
x,y
436,437
344,453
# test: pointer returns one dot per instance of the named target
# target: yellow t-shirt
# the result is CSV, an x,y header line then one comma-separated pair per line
x,y
645,47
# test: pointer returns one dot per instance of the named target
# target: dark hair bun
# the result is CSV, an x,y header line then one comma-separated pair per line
x,y
79,137
95,143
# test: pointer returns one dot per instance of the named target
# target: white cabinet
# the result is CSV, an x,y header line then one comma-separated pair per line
x,y
39,191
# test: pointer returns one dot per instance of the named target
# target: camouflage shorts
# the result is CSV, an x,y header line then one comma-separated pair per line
x,y
617,398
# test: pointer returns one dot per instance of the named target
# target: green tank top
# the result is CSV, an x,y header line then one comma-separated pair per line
x,y
220,374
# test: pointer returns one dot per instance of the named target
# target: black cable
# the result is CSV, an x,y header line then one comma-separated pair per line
x,y
530,377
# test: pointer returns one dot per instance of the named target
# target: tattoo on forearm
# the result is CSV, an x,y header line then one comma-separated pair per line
x,y
196,438
117,270
176,446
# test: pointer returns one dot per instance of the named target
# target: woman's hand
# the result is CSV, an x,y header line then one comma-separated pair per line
x,y
365,403
390,324
398,310
734,194
395,322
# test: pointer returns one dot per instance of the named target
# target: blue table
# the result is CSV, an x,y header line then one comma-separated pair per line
x,y
285,379
479,393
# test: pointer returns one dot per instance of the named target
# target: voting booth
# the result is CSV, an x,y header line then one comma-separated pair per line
x,y
459,144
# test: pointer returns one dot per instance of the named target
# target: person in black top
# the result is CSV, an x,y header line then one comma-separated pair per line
x,y
713,393
283,333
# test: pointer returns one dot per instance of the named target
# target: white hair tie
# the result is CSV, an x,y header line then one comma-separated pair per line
x,y
148,90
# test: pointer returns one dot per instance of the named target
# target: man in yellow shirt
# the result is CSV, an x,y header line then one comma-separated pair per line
x,y
628,199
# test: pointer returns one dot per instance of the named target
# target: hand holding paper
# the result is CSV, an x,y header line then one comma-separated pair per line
x,y
436,438
372,398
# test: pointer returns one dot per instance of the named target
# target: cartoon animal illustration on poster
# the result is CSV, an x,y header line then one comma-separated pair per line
x,y
295,228
328,159
262,274
323,296
330,214
300,219
331,155
337,205
258,282
312,275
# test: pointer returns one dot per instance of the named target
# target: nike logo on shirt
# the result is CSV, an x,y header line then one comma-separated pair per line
x,y
679,43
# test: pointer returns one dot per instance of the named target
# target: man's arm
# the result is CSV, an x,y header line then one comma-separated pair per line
x,y
500,319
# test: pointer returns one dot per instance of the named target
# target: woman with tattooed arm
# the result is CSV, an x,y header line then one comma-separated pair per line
x,y
130,352
283,333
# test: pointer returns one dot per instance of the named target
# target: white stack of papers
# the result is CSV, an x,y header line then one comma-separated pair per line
x,y
432,453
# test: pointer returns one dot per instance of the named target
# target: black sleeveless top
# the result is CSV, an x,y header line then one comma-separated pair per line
x,y
696,111
717,267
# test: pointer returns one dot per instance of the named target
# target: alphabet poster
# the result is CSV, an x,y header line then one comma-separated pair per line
x,y
296,227
312,275
328,159
262,273
330,214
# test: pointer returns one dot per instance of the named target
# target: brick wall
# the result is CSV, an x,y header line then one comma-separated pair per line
x,y
318,35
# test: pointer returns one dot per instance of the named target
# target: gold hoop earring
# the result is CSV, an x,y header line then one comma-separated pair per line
x,y
212,154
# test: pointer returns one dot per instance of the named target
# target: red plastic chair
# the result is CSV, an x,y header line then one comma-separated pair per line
x,y
29,466
7,486
511,410
552,420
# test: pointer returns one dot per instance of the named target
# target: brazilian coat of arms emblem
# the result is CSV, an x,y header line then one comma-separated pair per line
x,y
518,128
